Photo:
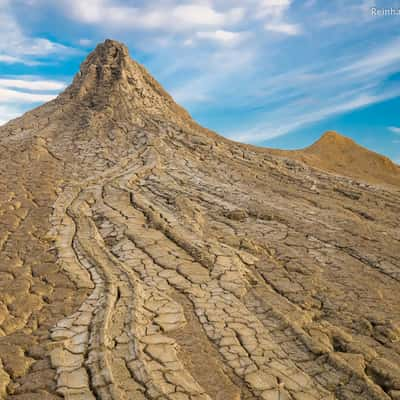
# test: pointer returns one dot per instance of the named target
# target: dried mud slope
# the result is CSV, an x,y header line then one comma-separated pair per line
x,y
144,257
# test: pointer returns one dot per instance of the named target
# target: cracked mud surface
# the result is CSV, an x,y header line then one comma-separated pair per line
x,y
144,257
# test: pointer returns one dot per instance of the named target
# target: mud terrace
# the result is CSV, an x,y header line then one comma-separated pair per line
x,y
144,257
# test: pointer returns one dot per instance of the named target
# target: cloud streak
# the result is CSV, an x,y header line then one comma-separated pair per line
x,y
270,131
220,36
16,47
285,28
179,17
274,12
7,113
18,94
394,129
44,85
10,96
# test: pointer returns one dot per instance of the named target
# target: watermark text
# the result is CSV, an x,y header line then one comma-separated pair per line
x,y
385,12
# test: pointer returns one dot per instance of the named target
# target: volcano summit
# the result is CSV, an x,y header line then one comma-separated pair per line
x,y
146,257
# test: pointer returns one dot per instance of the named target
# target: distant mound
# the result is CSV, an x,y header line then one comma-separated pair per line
x,y
338,154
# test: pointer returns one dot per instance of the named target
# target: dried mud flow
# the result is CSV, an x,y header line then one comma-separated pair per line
x,y
145,257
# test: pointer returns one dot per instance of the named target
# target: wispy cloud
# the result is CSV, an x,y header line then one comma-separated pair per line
x,y
306,95
6,59
7,113
213,75
10,96
44,85
272,8
272,130
353,12
285,28
274,13
222,37
382,58
163,16
16,47
85,42
394,129
18,94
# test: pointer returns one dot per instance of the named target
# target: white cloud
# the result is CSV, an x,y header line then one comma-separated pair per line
x,y
7,113
300,91
215,76
10,59
273,8
285,28
38,47
274,13
7,59
167,17
364,68
16,95
89,11
188,42
309,94
222,37
85,42
194,91
174,16
269,131
45,85
16,47
203,15
394,129
12,96
377,60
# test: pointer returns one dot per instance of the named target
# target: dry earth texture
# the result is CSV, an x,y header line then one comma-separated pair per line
x,y
145,257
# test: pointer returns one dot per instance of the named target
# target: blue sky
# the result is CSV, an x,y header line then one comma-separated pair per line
x,y
268,72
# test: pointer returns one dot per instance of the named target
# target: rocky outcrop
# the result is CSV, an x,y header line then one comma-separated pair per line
x,y
144,257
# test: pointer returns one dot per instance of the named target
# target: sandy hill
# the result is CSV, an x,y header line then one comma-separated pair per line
x,y
339,154
144,257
